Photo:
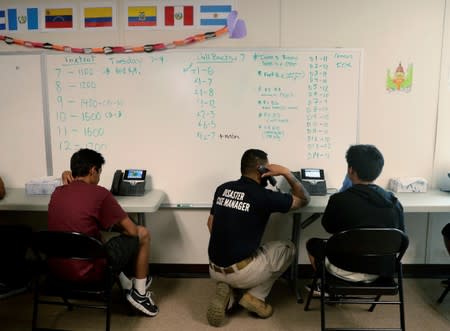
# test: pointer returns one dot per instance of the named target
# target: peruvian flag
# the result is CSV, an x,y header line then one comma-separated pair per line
x,y
179,15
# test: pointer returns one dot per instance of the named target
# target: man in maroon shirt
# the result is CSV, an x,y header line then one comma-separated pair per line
x,y
83,206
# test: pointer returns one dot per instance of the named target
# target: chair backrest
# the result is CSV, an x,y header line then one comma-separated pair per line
x,y
368,250
68,245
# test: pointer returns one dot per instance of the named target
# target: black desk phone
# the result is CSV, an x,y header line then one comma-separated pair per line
x,y
313,180
131,182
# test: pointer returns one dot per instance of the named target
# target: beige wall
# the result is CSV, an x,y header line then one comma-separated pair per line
x,y
411,129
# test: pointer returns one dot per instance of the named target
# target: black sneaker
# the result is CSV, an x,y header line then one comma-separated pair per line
x,y
144,303
148,283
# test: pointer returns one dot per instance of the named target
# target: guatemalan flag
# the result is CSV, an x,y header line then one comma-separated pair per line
x,y
214,14
22,19
2,20
179,15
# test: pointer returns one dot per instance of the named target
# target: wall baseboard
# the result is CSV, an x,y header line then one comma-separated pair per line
x,y
304,270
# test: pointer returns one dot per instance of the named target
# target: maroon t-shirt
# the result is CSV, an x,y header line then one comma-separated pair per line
x,y
85,208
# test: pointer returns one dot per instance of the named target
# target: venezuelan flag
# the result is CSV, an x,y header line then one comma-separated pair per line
x,y
142,16
58,18
98,17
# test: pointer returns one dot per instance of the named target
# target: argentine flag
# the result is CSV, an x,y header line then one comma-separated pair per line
x,y
214,14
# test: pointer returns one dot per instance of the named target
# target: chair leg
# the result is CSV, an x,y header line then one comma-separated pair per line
x,y
372,307
400,295
35,304
68,304
108,310
310,294
108,317
444,294
322,299
111,279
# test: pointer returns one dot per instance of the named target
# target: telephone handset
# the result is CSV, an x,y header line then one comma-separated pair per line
x,y
262,170
116,182
131,182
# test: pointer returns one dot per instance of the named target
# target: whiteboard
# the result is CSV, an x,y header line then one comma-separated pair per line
x,y
22,146
187,116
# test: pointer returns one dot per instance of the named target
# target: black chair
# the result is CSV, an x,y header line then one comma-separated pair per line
x,y
446,283
74,246
16,270
369,250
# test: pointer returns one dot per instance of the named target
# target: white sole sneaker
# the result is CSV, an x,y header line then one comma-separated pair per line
x,y
143,303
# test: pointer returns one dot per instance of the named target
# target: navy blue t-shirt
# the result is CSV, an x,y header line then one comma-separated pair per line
x,y
241,210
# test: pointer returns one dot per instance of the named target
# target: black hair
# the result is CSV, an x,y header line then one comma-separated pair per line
x,y
366,160
82,161
251,159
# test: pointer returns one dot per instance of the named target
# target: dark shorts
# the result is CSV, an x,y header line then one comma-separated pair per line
x,y
316,248
122,251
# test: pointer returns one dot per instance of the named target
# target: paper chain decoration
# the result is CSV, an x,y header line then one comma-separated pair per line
x,y
235,27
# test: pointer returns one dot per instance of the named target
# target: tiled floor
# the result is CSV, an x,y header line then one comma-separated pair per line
x,y
183,303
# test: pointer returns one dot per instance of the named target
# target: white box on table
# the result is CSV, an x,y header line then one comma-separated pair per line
x,y
43,185
408,184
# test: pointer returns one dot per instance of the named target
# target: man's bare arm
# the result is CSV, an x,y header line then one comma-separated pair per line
x,y
210,222
128,227
300,196
66,177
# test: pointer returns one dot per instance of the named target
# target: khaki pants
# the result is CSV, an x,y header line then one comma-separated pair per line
x,y
258,277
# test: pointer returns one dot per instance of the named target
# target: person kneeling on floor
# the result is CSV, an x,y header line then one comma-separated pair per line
x,y
238,217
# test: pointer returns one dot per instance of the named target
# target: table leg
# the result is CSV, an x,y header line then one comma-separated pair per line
x,y
141,219
296,229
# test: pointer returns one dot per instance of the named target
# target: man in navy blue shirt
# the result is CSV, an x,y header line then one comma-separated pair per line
x,y
237,221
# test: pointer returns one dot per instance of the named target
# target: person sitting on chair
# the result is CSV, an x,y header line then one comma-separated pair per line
x,y
362,204
83,206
